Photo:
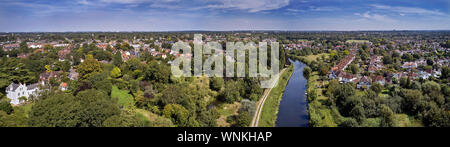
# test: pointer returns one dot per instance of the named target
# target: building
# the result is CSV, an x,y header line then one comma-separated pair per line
x,y
379,80
409,65
364,82
16,91
73,75
346,77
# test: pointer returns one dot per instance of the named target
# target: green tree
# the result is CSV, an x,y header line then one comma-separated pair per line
x,y
115,73
117,59
376,87
354,68
231,92
387,59
90,108
6,107
89,67
387,117
177,113
243,119
126,119
307,72
217,83
412,100
358,113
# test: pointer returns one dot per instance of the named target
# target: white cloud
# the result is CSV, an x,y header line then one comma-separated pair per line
x,y
409,10
324,8
136,1
377,17
248,5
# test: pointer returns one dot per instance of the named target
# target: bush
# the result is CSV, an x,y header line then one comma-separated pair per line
x,y
6,107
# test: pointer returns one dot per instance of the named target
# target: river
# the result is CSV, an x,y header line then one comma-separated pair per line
x,y
293,109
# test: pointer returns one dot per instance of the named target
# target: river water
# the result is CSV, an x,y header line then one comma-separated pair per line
x,y
293,110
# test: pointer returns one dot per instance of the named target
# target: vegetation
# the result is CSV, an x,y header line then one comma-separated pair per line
x,y
270,107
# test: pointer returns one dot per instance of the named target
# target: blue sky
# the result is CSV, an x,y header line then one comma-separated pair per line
x,y
222,15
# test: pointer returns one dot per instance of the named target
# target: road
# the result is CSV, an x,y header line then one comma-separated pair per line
x,y
255,120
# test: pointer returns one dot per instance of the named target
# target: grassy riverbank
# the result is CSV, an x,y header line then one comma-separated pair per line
x,y
270,108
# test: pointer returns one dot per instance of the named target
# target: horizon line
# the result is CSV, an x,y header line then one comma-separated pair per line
x,y
390,30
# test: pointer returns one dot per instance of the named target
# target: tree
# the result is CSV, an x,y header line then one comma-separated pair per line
x,y
89,67
407,57
387,117
104,85
117,60
157,72
126,119
89,108
6,107
344,92
231,92
387,59
217,83
307,72
376,87
243,119
115,73
358,113
354,68
177,113
412,100
445,72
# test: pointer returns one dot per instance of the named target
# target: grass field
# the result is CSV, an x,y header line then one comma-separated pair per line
x,y
311,58
225,111
270,108
124,99
320,115
152,120
317,85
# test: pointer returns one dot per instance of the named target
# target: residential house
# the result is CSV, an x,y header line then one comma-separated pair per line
x,y
364,82
16,91
409,65
379,80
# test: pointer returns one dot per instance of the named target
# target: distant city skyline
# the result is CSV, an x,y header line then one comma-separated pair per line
x,y
222,15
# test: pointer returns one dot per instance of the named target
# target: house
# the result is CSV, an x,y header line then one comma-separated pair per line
x,y
424,75
16,91
63,86
35,45
379,80
46,76
73,75
409,65
364,82
62,54
10,47
346,77
372,68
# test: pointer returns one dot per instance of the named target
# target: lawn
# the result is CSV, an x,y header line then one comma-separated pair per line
x,y
152,120
225,111
318,85
311,58
270,108
124,99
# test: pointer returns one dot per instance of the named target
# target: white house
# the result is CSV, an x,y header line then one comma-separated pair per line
x,y
15,91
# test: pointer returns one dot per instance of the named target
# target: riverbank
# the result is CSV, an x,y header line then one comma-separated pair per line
x,y
270,107
320,114
293,109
